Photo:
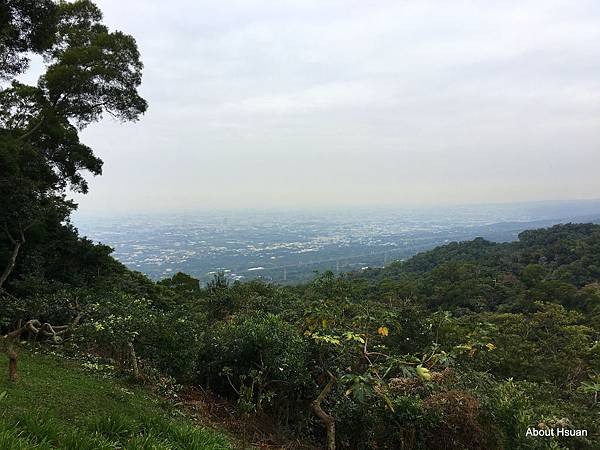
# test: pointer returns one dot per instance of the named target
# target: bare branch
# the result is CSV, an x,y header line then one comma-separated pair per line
x,y
8,234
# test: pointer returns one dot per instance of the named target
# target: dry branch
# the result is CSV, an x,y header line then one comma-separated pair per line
x,y
36,328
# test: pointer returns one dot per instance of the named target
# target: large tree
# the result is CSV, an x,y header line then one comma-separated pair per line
x,y
89,71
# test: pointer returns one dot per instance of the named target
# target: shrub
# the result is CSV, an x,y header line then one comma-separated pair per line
x,y
259,359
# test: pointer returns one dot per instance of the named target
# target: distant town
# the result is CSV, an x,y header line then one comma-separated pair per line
x,y
289,247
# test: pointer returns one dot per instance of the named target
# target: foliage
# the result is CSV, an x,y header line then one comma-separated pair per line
x,y
260,358
25,26
89,71
405,369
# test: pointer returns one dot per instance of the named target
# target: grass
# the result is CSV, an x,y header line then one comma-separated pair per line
x,y
58,404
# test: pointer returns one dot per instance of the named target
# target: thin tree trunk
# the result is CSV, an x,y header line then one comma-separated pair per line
x,y
327,419
12,363
8,348
13,256
11,262
134,363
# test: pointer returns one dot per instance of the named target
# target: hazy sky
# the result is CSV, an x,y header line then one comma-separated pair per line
x,y
314,103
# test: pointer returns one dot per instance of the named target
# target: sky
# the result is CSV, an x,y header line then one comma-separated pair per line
x,y
278,103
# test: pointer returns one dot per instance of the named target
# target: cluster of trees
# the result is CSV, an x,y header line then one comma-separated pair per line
x,y
472,341
559,265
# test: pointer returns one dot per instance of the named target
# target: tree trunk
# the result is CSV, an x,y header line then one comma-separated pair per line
x,y
11,262
134,363
327,420
35,328
12,363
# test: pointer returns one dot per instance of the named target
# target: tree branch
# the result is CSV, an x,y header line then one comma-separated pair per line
x,y
8,234
32,130
11,262
36,328
327,419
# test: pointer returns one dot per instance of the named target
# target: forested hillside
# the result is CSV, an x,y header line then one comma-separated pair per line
x,y
559,265
475,341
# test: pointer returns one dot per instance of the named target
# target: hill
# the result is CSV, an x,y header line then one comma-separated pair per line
x,y
560,264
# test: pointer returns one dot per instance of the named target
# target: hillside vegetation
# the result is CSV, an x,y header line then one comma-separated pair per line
x,y
475,341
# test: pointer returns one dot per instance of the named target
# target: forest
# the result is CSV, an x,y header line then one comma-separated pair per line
x,y
469,346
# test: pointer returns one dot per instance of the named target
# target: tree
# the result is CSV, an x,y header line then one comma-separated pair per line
x,y
182,283
25,26
89,71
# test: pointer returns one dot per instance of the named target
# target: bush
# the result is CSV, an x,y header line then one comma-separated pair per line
x,y
260,360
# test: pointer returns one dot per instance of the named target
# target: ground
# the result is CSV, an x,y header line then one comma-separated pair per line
x,y
59,403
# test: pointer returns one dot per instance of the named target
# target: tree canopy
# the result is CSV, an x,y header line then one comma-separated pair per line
x,y
89,71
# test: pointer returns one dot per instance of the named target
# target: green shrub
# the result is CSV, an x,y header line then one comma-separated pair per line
x,y
256,358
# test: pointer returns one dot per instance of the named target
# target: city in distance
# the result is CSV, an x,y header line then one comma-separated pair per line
x,y
288,246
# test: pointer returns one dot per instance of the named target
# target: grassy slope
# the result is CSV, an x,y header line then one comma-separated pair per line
x,y
57,404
